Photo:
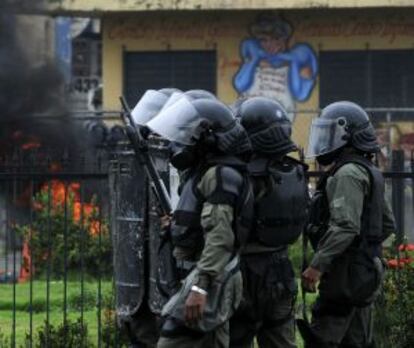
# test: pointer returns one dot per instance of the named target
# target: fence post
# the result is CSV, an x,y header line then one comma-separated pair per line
x,y
398,196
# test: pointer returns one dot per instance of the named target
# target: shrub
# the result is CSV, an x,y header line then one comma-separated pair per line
x,y
87,300
395,306
111,336
87,241
71,334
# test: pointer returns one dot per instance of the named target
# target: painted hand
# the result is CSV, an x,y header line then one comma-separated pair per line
x,y
306,72
310,278
194,307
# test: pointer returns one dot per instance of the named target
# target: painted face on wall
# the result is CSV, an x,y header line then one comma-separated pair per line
x,y
273,68
273,45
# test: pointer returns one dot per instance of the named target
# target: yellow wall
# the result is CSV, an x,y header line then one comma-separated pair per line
x,y
223,31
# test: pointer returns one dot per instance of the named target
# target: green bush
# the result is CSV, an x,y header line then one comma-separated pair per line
x,y
395,306
87,244
69,335
87,300
111,336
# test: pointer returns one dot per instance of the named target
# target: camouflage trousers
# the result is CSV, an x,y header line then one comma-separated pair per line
x,y
219,338
344,326
347,328
267,308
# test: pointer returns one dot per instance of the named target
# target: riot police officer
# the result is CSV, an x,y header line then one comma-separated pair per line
x,y
137,305
349,220
210,222
281,198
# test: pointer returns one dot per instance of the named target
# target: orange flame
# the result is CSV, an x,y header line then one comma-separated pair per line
x,y
30,145
81,210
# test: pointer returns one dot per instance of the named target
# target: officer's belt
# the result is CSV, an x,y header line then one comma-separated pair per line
x,y
280,254
270,222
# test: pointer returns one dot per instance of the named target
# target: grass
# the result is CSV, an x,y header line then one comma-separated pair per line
x,y
56,312
39,305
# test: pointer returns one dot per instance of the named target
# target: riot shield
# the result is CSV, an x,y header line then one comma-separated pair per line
x,y
128,191
161,262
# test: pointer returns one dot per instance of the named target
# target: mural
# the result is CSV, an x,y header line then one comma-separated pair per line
x,y
271,68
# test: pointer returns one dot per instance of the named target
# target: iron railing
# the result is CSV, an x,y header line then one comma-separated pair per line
x,y
55,201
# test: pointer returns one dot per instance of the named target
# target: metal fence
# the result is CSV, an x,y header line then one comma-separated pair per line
x,y
54,247
55,241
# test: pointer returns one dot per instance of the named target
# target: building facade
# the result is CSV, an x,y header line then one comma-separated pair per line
x,y
305,59
303,53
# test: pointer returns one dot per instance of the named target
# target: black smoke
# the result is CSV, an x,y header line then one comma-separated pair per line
x,y
32,94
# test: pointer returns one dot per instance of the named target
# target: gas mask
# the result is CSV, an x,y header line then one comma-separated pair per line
x,y
329,158
183,156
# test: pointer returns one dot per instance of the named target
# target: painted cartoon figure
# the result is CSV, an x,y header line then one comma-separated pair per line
x,y
270,68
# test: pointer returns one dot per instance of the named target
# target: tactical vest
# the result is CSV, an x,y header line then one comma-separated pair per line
x,y
233,188
281,213
371,218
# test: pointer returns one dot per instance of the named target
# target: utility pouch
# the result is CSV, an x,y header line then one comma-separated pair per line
x,y
352,279
224,296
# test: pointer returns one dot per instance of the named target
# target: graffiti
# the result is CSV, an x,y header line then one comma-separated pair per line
x,y
388,29
207,28
273,69
85,84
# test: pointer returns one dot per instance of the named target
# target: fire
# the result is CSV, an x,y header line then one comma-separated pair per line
x,y
27,142
82,213
30,145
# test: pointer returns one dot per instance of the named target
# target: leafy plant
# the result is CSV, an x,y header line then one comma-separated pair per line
x,y
67,235
395,306
111,335
71,334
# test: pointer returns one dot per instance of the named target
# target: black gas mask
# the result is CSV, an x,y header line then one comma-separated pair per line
x,y
330,157
183,157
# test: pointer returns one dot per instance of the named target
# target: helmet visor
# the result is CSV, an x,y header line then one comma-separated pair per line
x,y
148,106
180,122
172,99
326,136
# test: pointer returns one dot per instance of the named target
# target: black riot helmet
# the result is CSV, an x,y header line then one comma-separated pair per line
x,y
341,124
267,125
191,121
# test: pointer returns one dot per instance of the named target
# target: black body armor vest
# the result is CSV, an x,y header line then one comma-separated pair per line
x,y
281,212
371,218
233,188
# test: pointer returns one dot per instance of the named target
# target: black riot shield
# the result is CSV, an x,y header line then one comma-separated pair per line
x,y
162,279
128,191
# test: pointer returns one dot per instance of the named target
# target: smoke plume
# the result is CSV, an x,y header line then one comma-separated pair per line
x,y
32,103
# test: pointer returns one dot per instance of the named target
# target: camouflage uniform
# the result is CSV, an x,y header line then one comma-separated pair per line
x,y
267,309
346,190
269,293
219,248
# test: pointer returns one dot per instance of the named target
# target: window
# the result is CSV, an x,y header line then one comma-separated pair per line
x,y
370,78
180,69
